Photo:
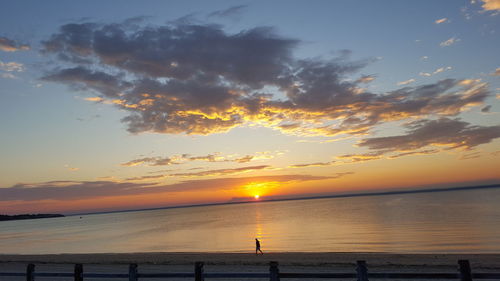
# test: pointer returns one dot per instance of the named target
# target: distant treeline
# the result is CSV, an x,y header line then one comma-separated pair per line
x,y
28,216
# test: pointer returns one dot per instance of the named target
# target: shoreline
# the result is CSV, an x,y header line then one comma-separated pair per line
x,y
316,259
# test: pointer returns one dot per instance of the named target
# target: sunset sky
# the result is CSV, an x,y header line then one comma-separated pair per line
x,y
111,105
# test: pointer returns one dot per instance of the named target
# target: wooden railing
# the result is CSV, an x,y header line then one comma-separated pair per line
x,y
464,273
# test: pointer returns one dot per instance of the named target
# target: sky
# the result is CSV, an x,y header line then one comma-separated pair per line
x,y
114,105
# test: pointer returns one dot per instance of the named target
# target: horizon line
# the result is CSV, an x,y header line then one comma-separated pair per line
x,y
263,200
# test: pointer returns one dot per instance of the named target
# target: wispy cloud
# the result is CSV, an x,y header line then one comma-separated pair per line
x,y
449,42
219,172
71,169
439,70
9,45
496,72
418,152
8,76
443,20
406,82
366,79
215,157
471,155
316,164
229,12
11,66
362,157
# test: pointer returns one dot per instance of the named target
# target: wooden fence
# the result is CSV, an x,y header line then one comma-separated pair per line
x,y
464,273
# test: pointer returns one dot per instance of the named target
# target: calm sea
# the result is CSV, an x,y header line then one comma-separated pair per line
x,y
445,222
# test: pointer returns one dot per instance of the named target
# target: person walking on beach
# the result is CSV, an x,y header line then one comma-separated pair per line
x,y
257,247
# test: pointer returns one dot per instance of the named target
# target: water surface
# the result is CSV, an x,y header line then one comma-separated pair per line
x,y
445,222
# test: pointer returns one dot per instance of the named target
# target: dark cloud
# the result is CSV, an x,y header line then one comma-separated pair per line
x,y
9,45
63,190
229,12
82,78
198,79
486,109
451,133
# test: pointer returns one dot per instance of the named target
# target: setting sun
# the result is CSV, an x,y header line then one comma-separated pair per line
x,y
257,196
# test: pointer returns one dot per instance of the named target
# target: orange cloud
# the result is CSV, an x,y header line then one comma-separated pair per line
x,y
491,5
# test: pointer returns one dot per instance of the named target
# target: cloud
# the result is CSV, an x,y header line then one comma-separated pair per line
x,y
472,155
95,99
439,70
491,5
317,164
71,190
443,20
497,72
9,45
366,79
420,152
424,58
229,12
409,81
486,109
219,172
153,161
449,42
71,169
363,157
11,66
165,83
141,178
8,76
215,157
443,132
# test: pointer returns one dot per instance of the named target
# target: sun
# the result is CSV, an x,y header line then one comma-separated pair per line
x,y
256,196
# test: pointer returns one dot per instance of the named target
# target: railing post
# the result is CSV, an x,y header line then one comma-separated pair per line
x,y
198,271
78,272
274,272
362,271
132,272
465,271
30,272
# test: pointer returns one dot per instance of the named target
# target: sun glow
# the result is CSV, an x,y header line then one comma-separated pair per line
x,y
258,189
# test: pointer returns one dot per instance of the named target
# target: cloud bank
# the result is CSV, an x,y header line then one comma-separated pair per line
x,y
188,78
73,190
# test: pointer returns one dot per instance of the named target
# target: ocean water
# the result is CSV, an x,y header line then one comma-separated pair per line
x,y
445,222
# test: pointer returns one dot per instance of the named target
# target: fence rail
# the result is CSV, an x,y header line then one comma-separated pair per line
x,y
464,274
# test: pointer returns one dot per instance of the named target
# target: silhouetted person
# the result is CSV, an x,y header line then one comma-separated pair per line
x,y
257,247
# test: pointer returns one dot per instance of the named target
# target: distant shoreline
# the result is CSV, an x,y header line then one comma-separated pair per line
x,y
314,259
28,217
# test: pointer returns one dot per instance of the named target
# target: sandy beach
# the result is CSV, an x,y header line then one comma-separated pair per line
x,y
285,259
247,262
